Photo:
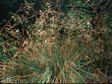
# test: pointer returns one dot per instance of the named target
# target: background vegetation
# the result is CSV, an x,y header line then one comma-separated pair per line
x,y
55,41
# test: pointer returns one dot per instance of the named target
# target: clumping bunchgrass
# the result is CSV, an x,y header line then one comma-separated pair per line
x,y
63,63
59,49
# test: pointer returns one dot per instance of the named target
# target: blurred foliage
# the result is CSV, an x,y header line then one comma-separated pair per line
x,y
51,41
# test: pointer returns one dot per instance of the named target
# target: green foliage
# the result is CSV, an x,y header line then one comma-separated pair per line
x,y
57,42
50,66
